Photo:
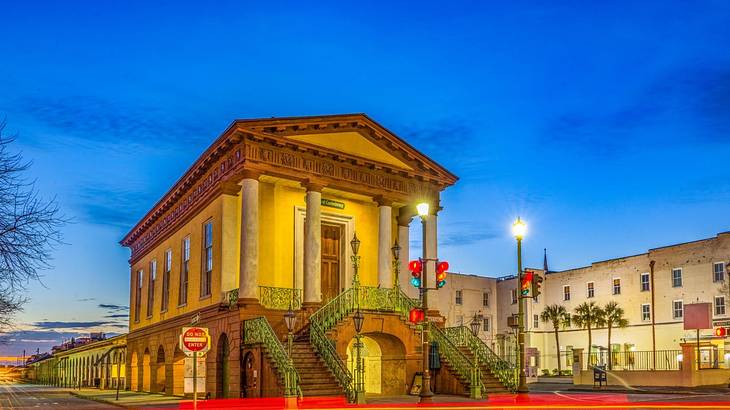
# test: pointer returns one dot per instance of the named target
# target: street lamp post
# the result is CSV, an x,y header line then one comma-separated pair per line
x,y
519,229
396,265
426,394
358,319
475,392
290,318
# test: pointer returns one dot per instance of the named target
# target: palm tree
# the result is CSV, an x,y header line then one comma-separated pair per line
x,y
613,317
588,316
558,316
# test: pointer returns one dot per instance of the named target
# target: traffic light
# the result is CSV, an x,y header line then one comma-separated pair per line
x,y
416,315
441,268
416,267
536,284
526,284
720,332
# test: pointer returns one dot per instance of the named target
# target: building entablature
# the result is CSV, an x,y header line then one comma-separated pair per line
x,y
367,159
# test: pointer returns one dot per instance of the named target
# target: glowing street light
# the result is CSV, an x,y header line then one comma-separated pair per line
x,y
422,209
519,229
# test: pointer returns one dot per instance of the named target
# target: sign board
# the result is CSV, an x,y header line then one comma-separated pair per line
x,y
195,319
332,204
697,316
200,370
195,340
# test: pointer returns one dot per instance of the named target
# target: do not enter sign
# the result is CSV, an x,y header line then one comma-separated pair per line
x,y
195,340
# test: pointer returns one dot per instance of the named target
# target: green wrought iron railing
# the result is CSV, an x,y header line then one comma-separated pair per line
x,y
321,321
458,361
259,331
280,298
504,371
339,308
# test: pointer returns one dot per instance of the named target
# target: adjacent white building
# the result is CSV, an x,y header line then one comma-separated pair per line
x,y
673,276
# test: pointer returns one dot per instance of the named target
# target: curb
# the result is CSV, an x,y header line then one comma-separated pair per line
x,y
644,391
92,398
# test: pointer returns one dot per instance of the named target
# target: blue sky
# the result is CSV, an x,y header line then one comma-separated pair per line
x,y
606,126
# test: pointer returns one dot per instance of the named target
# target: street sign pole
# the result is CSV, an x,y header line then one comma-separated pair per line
x,y
195,380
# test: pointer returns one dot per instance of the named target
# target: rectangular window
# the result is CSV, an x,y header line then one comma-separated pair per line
x,y
535,321
151,287
486,324
207,275
718,272
485,299
645,312
458,297
514,296
138,294
166,281
566,292
591,290
645,282
719,305
677,309
184,271
677,277
616,286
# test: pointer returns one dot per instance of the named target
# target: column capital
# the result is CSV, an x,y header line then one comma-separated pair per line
x,y
311,185
248,173
406,214
383,201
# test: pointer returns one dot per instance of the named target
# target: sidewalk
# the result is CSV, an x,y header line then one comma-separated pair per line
x,y
128,399
563,387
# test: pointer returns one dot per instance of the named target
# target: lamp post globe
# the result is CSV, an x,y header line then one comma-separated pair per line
x,y
475,324
396,250
355,244
519,229
422,209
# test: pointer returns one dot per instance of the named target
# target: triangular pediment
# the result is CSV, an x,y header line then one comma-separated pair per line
x,y
353,143
355,135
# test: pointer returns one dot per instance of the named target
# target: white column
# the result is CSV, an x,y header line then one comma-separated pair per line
x,y
404,239
313,246
248,279
430,251
385,238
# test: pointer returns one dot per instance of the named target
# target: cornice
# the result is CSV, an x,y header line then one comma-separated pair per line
x,y
218,170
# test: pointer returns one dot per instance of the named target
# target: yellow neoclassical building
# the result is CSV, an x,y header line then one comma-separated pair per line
x,y
262,221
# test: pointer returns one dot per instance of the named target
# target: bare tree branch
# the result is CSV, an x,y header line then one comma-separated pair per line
x,y
29,231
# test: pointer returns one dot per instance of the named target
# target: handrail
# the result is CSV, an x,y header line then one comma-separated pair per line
x,y
280,298
259,330
460,363
503,370
321,321
325,318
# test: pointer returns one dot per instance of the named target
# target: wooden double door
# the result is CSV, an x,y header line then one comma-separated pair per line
x,y
331,261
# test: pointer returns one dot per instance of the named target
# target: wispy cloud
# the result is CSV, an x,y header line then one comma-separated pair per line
x,y
86,299
113,307
69,325
118,316
93,121
692,100
110,206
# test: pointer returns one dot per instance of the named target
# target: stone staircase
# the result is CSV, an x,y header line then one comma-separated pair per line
x,y
316,378
489,380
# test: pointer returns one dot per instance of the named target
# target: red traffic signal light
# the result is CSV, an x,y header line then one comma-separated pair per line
x,y
416,315
441,268
416,267
526,284
720,332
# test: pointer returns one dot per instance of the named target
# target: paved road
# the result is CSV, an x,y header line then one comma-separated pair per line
x,y
24,396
